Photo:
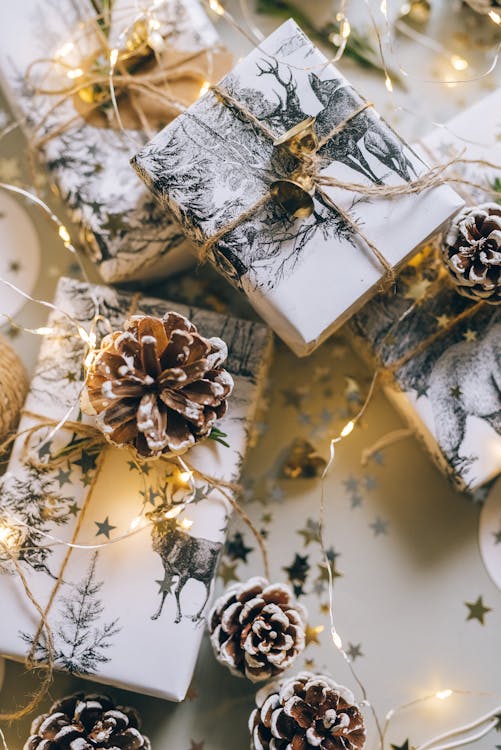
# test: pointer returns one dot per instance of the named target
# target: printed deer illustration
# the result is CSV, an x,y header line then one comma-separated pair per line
x,y
184,556
339,102
288,111
466,381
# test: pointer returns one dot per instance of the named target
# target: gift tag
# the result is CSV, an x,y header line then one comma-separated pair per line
x,y
489,533
19,254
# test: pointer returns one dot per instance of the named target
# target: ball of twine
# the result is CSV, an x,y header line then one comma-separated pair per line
x,y
13,388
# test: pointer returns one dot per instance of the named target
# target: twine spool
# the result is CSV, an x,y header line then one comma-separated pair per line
x,y
13,388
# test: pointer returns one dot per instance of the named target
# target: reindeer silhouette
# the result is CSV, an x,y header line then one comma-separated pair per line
x,y
339,102
288,111
466,381
184,556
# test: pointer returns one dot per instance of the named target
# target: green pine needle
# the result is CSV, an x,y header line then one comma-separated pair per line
x,y
218,436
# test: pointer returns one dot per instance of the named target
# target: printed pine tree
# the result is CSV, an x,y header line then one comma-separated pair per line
x,y
80,643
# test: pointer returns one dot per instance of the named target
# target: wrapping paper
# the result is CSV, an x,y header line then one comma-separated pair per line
x,y
125,232
107,619
210,166
449,393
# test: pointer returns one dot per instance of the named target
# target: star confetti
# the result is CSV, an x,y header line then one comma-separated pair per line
x,y
379,526
477,610
104,528
404,746
354,651
165,585
228,572
236,548
310,532
297,573
312,633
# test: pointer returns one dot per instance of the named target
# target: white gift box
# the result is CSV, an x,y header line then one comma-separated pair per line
x,y
446,392
212,165
107,620
125,232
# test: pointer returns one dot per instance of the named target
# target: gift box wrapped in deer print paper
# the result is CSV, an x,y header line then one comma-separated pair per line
x,y
49,52
257,172
129,598
443,350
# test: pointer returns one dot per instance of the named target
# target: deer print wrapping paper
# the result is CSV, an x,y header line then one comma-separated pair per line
x,y
131,613
305,277
125,232
450,392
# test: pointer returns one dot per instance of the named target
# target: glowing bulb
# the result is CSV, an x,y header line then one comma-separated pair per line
x,y
495,17
75,73
135,522
345,28
443,694
64,234
216,6
388,84
347,429
89,360
204,88
185,476
384,7
113,57
65,49
458,63
7,535
44,331
337,640
83,334
173,512
186,524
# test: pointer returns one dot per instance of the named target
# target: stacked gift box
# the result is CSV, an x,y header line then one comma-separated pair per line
x,y
45,46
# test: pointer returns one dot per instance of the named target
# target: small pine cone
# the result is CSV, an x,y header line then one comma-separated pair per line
x,y
306,711
158,385
472,252
87,722
257,629
484,6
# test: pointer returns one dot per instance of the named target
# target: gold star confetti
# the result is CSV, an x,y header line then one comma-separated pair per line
x,y
477,610
312,632
417,291
309,664
442,320
470,336
324,608
227,572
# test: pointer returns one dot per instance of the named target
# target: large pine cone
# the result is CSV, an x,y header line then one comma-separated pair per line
x,y
81,722
306,711
472,252
158,385
257,629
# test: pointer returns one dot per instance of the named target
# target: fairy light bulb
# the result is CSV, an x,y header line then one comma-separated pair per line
x,y
64,234
186,524
336,639
113,57
185,476
442,695
174,512
204,88
495,17
458,62
216,7
43,331
347,429
7,536
388,84
75,73
65,49
134,524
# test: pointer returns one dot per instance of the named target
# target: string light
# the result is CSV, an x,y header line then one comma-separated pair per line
x,y
347,429
8,536
442,695
495,17
174,512
135,523
216,7
65,49
75,73
458,62
185,476
113,57
186,524
64,234
204,88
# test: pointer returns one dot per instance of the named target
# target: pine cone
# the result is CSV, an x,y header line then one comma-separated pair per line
x,y
484,6
257,629
158,385
472,252
306,711
86,722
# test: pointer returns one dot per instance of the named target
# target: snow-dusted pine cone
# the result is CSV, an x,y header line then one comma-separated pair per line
x,y
472,252
484,6
257,629
306,711
81,722
158,384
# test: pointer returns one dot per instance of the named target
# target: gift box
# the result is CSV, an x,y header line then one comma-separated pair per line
x,y
47,46
440,350
114,613
221,169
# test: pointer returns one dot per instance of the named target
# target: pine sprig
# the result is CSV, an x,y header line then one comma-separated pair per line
x,y
496,185
218,436
358,47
